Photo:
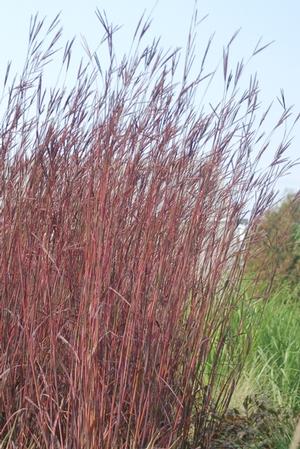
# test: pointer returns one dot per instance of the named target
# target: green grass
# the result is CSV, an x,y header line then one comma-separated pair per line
x,y
273,365
271,377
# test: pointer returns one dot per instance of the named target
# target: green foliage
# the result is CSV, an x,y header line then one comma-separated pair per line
x,y
266,402
274,361
276,250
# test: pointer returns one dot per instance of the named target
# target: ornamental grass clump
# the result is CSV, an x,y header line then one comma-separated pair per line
x,y
120,269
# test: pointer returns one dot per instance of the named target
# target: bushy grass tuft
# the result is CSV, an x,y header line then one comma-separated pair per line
x,y
120,268
273,365
266,401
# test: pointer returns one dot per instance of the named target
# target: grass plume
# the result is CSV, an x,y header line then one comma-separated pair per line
x,y
119,203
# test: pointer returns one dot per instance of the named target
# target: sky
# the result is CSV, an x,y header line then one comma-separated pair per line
x,y
273,20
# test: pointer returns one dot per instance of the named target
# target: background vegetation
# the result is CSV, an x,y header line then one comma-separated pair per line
x,y
278,251
266,402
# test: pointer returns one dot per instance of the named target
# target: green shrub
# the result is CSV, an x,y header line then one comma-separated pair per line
x,y
276,253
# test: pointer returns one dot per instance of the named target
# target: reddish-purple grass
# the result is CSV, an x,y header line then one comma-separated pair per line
x,y
119,276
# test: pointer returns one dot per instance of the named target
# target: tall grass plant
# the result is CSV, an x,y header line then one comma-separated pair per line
x,y
119,203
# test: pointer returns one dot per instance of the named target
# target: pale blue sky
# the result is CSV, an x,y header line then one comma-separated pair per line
x,y
277,67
